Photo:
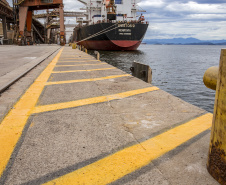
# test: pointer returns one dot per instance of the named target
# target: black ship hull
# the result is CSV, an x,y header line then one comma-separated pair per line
x,y
111,36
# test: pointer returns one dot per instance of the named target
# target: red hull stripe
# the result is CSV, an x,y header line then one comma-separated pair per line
x,y
111,44
124,43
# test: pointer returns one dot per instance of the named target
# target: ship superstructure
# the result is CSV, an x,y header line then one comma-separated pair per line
x,y
115,10
110,25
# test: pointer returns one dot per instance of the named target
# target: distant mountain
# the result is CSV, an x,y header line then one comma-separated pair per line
x,y
184,41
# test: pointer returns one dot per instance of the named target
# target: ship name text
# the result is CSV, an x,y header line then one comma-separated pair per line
x,y
127,25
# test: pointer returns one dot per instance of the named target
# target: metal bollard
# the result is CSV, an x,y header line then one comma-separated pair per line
x,y
210,77
141,71
98,54
73,46
216,164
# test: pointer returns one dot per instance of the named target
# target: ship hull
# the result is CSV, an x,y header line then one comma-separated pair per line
x,y
111,36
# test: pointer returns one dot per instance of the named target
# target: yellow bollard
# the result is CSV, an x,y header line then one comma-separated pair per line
x,y
216,164
98,56
210,77
73,46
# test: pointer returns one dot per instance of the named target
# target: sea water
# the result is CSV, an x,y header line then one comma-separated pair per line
x,y
177,69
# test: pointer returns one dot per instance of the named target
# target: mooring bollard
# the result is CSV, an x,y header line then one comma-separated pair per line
x,y
210,77
142,71
98,54
73,46
216,164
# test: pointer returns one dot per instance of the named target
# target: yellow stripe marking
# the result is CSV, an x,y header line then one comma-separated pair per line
x,y
75,58
13,124
114,167
100,99
80,65
86,80
80,61
87,70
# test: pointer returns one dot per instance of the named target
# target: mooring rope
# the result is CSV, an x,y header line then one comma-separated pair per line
x,y
99,33
18,3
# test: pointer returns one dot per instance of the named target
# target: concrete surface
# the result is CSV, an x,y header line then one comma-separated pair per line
x,y
17,61
64,141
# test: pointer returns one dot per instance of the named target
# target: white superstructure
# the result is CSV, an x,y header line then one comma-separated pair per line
x,y
96,10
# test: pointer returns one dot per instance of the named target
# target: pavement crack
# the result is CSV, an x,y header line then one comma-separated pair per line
x,y
127,129
100,89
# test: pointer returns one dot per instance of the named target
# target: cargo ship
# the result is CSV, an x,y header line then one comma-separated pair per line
x,y
110,25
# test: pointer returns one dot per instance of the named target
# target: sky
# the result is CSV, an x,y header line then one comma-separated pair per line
x,y
201,19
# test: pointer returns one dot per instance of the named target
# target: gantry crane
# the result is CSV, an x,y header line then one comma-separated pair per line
x,y
26,7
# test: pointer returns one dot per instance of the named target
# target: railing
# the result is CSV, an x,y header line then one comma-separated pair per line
x,y
47,1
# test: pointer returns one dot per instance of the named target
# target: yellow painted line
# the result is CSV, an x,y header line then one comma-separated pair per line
x,y
128,160
89,101
75,58
80,65
13,124
88,70
80,61
86,80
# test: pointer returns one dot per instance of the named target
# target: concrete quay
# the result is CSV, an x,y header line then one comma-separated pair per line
x,y
17,61
76,120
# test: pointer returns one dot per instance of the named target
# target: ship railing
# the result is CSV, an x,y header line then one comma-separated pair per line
x,y
120,22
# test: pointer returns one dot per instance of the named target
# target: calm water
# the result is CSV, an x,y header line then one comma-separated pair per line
x,y
177,70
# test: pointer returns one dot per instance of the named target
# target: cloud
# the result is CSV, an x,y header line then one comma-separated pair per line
x,y
152,4
206,17
194,7
72,5
202,19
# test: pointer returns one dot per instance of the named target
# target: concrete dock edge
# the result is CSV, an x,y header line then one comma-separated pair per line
x,y
16,74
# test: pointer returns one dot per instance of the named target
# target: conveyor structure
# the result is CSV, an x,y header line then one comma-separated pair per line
x,y
7,16
26,8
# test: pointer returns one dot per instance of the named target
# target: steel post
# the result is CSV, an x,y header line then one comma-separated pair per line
x,y
29,24
8,25
48,35
4,27
62,29
22,20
